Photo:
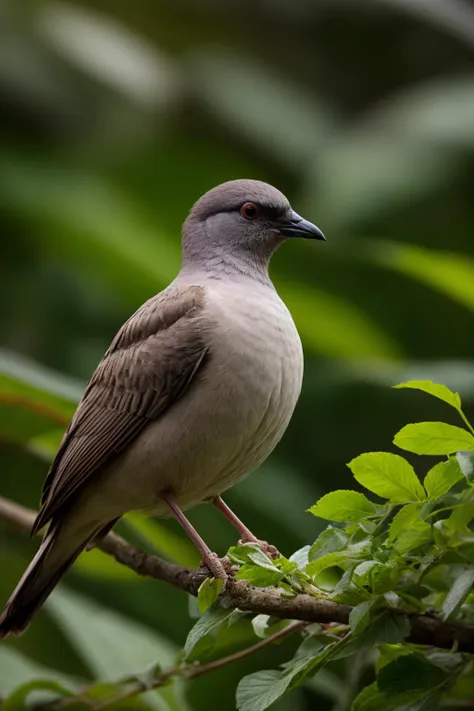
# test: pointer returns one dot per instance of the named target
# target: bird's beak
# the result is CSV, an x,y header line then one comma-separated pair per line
x,y
297,226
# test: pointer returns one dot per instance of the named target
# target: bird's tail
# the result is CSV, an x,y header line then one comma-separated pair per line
x,y
55,556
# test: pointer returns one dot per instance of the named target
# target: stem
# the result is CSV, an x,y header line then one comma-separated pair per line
x,y
189,672
466,421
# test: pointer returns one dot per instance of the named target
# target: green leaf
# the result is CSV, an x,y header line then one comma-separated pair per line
x,y
18,670
387,475
300,557
371,699
330,540
418,534
259,577
208,592
406,517
360,615
462,515
384,628
264,625
466,464
435,389
258,691
362,573
19,698
343,506
342,558
458,593
251,553
366,700
441,478
211,620
433,438
410,672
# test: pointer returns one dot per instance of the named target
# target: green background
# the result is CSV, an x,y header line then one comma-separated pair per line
x,y
114,118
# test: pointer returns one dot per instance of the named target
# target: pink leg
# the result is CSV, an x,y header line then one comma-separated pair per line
x,y
209,558
245,533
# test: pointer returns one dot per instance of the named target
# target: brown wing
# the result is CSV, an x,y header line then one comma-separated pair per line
x,y
148,366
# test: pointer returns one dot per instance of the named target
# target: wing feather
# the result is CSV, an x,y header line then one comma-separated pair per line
x,y
149,365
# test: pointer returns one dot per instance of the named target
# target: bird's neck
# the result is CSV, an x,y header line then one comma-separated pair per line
x,y
229,261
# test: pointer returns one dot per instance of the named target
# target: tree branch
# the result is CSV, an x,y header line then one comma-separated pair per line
x,y
188,672
425,629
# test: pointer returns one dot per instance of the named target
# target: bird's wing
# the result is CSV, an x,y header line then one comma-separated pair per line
x,y
149,365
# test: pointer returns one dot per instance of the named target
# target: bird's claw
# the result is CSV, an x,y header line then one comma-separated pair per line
x,y
217,566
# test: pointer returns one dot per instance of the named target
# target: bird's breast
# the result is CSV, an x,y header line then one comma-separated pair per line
x,y
256,353
235,411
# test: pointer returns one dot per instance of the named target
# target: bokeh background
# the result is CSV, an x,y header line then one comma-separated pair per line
x,y
114,118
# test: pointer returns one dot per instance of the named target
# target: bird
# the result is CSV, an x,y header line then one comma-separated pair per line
x,y
194,392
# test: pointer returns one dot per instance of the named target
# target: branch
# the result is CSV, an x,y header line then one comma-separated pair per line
x,y
189,672
425,629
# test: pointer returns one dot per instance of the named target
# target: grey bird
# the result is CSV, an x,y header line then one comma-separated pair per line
x,y
194,392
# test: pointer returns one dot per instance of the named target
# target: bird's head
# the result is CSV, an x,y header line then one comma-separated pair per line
x,y
246,217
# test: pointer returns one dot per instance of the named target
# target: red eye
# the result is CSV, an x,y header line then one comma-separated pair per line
x,y
249,210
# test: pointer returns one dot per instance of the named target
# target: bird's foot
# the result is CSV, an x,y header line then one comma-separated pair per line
x,y
271,551
216,565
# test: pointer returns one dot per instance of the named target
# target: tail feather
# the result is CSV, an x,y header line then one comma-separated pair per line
x,y
44,572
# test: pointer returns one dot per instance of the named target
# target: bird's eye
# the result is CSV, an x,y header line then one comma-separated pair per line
x,y
249,210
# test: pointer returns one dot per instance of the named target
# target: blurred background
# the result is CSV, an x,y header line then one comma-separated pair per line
x,y
114,118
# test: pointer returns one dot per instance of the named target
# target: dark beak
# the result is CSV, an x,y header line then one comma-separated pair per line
x,y
297,226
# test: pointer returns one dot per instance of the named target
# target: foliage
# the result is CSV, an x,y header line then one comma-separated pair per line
x,y
409,551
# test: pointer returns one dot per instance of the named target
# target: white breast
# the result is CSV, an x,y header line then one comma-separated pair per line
x,y
258,355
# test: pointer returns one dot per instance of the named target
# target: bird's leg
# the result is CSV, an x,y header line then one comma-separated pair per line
x,y
245,534
210,559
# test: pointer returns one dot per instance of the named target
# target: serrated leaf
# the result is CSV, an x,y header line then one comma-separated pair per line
x,y
466,464
256,692
441,478
410,672
330,540
436,389
209,622
407,515
343,506
458,593
433,438
208,592
387,475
